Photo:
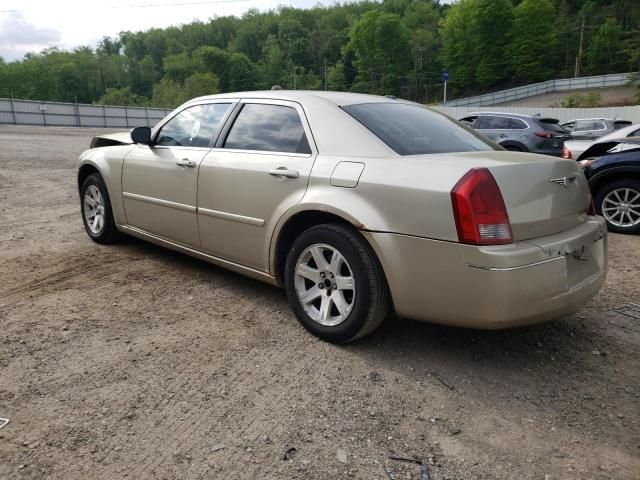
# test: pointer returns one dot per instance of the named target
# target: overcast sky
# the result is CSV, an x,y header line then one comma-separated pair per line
x,y
32,25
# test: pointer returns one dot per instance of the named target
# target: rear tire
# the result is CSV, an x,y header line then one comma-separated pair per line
x,y
97,215
619,203
512,148
335,284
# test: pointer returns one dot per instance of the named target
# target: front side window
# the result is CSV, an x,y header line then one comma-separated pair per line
x,y
599,126
193,127
268,128
584,126
414,130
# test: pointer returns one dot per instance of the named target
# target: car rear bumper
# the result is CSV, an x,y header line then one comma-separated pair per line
x,y
496,286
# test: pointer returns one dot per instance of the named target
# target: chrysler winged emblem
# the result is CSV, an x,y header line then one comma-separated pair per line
x,y
564,181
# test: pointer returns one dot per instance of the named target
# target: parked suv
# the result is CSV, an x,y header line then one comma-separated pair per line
x,y
520,133
590,128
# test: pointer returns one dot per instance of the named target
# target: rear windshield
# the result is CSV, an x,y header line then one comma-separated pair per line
x,y
415,130
551,125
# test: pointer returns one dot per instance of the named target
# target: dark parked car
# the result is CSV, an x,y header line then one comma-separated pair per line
x,y
592,128
520,133
613,171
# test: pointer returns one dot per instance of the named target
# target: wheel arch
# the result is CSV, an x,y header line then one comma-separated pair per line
x,y
514,143
296,222
600,179
84,171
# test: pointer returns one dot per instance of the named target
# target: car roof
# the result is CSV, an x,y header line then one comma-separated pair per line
x,y
502,114
591,118
620,133
337,98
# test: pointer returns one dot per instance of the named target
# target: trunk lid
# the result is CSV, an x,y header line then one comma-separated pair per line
x,y
544,195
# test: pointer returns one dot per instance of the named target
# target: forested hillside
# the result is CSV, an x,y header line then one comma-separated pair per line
x,y
394,47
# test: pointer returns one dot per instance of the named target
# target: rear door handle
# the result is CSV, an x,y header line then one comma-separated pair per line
x,y
284,172
185,162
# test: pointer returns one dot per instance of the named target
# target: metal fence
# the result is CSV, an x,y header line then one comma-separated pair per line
x,y
563,114
563,84
29,112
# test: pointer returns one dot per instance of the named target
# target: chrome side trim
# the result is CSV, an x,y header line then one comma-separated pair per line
x,y
235,267
257,222
510,269
158,201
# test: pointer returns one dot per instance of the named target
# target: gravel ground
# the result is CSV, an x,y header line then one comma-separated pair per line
x,y
131,361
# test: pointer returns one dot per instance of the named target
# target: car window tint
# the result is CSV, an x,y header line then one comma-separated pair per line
x,y
270,128
517,124
634,133
585,125
412,130
599,126
552,126
495,123
193,127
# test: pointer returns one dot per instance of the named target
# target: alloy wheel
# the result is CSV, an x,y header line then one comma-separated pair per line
x,y
324,284
94,209
621,207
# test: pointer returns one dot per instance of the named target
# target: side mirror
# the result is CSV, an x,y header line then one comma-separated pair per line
x,y
141,135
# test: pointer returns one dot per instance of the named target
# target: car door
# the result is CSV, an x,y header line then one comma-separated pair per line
x,y
259,169
159,181
495,128
588,130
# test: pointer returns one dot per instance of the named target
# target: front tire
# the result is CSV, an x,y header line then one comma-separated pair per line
x,y
97,215
335,284
619,203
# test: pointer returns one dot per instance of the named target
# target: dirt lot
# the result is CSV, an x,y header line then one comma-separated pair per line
x,y
130,361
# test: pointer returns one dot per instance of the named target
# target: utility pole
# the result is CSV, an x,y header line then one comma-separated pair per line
x,y
580,49
325,73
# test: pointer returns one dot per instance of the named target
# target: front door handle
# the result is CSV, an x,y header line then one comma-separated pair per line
x,y
185,162
284,172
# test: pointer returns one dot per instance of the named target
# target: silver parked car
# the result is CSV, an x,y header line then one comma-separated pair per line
x,y
592,128
519,133
573,149
357,205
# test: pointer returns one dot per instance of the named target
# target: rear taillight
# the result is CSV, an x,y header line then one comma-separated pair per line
x,y
479,210
544,134
566,153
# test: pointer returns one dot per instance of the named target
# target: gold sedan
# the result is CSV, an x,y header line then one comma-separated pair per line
x,y
357,205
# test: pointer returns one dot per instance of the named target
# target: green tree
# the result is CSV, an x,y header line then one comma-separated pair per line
x,y
200,84
605,52
534,47
242,73
380,43
119,96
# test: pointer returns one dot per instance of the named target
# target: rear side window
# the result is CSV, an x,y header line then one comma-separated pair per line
x,y
193,127
588,125
494,123
269,128
517,124
415,130
583,125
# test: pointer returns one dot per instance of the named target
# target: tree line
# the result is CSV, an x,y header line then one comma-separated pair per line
x,y
393,47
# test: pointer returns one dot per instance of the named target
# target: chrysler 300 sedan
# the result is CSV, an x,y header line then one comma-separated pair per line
x,y
357,205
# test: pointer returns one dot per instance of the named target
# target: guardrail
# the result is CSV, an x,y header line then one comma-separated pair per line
x,y
563,84
30,112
